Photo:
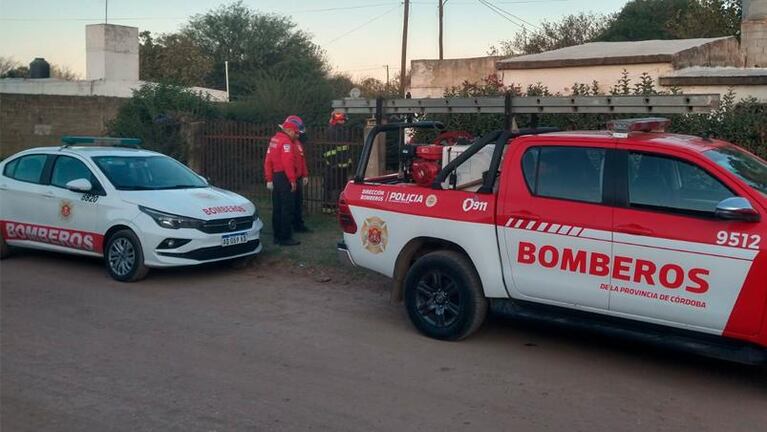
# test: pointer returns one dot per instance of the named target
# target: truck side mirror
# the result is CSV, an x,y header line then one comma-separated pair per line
x,y
737,208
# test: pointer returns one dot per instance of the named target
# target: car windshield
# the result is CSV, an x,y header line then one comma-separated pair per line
x,y
745,166
147,173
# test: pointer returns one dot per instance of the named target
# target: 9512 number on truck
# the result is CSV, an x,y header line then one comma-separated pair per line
x,y
632,229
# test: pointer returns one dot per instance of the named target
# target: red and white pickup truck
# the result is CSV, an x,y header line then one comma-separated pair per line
x,y
632,229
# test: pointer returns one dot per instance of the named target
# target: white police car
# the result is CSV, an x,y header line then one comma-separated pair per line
x,y
136,208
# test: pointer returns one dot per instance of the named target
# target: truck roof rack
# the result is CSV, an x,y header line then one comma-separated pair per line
x,y
70,141
664,104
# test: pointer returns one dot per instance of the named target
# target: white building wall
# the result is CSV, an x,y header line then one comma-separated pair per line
x,y
52,86
561,80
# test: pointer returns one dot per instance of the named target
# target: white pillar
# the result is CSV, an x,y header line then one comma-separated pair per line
x,y
111,52
753,39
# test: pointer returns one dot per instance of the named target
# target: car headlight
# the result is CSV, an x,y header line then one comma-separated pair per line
x,y
171,221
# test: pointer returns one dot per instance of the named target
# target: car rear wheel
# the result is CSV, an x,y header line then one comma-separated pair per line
x,y
444,297
124,258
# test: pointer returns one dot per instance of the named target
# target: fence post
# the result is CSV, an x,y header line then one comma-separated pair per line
x,y
377,162
192,136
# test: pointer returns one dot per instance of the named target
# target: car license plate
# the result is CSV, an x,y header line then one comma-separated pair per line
x,y
234,239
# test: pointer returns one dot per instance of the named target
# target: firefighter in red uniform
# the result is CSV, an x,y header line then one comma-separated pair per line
x,y
302,176
282,171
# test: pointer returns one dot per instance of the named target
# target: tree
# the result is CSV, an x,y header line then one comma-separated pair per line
x,y
571,30
7,64
10,68
253,42
155,114
173,58
708,18
674,19
64,73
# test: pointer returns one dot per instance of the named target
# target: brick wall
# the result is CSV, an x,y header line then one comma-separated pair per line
x,y
40,120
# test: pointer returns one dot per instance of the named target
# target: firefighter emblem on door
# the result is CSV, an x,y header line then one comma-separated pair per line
x,y
375,235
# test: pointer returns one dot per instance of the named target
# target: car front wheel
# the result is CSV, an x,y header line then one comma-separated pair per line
x,y
444,297
124,258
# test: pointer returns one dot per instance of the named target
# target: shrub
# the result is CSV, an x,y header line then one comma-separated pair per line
x,y
156,112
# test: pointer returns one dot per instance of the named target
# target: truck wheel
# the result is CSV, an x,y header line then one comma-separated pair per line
x,y
5,250
443,296
124,257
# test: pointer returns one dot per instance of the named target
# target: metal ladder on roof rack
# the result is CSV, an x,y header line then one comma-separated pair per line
x,y
509,105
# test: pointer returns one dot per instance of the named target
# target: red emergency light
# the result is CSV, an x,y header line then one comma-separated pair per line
x,y
651,124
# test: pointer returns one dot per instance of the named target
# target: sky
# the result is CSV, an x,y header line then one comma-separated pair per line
x,y
358,36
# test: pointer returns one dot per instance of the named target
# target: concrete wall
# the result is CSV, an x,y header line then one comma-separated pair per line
x,y
723,52
561,80
754,9
754,42
114,88
41,120
430,78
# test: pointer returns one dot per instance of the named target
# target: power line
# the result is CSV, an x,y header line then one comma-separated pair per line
x,y
375,18
377,5
489,6
507,13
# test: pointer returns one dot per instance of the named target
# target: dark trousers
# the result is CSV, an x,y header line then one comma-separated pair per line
x,y
283,203
298,205
333,184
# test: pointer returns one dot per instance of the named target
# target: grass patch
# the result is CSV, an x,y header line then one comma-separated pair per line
x,y
318,249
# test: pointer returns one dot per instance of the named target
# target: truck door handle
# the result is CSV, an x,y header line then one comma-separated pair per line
x,y
3,186
634,229
48,194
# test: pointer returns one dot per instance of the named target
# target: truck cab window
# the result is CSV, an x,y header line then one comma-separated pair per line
x,y
571,173
669,184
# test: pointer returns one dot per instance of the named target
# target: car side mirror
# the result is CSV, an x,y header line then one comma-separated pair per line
x,y
80,185
737,208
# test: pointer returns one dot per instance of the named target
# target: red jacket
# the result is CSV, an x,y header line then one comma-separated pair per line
x,y
281,157
303,170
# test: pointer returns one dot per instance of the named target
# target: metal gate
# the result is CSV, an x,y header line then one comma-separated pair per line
x,y
232,157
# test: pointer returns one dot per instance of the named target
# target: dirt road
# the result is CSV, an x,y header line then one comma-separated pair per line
x,y
219,350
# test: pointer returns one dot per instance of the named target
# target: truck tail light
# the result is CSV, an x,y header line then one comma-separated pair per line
x,y
345,219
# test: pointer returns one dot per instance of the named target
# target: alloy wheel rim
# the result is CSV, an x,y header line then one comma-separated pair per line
x,y
438,299
122,257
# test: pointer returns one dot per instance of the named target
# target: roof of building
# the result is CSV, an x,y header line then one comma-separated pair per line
x,y
701,75
607,53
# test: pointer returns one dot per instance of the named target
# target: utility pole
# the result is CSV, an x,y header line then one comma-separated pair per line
x,y
403,65
106,11
441,29
387,74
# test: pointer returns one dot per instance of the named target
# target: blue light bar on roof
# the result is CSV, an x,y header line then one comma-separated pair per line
x,y
101,141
